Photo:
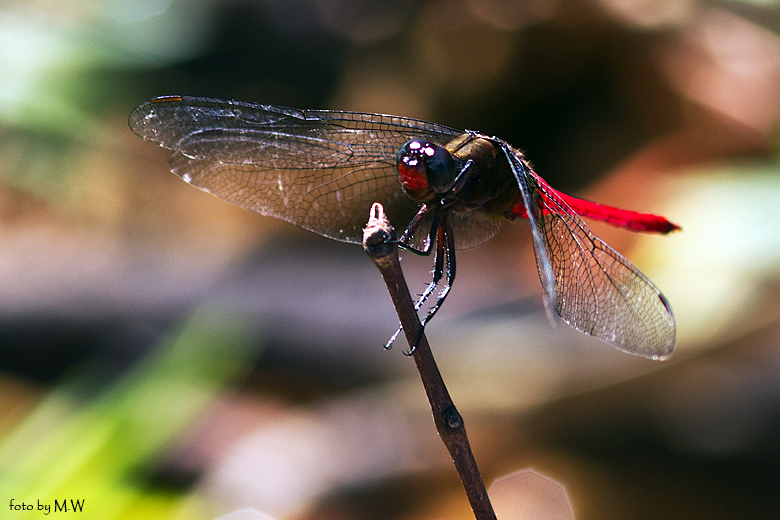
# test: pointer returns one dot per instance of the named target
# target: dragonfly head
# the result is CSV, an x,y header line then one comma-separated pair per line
x,y
425,169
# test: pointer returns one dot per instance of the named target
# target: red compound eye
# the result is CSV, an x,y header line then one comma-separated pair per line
x,y
424,169
413,174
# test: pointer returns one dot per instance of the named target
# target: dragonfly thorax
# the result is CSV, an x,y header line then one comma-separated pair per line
x,y
425,169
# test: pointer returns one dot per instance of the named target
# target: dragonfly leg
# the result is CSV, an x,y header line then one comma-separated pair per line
x,y
437,274
414,225
445,249
445,255
461,178
432,238
445,252
441,235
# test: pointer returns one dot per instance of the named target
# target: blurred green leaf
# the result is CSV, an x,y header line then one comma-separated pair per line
x,y
67,449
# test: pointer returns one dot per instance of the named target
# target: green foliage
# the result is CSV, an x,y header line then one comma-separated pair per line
x,y
88,449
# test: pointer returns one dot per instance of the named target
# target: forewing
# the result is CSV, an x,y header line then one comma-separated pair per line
x,y
534,210
594,289
318,169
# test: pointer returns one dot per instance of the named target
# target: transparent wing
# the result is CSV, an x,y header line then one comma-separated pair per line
x,y
318,169
474,229
469,229
591,286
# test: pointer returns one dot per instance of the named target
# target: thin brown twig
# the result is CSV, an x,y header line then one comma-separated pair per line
x,y
380,243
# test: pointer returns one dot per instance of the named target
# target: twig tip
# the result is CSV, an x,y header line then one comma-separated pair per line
x,y
379,238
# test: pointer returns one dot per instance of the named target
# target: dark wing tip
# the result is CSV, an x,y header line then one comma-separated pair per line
x,y
668,349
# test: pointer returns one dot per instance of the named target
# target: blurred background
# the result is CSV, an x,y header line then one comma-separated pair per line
x,y
164,354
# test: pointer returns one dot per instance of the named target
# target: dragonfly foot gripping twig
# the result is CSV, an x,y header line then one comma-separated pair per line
x,y
380,243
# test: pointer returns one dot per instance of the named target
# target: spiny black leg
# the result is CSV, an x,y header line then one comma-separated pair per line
x,y
432,238
438,264
438,272
445,248
448,250
445,236
414,225
445,251
461,178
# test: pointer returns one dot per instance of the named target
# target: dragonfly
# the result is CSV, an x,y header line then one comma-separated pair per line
x,y
447,189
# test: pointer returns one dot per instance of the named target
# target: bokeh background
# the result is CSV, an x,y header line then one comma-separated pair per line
x,y
164,354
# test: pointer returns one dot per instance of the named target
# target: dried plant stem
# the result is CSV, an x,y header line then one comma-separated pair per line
x,y
379,241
